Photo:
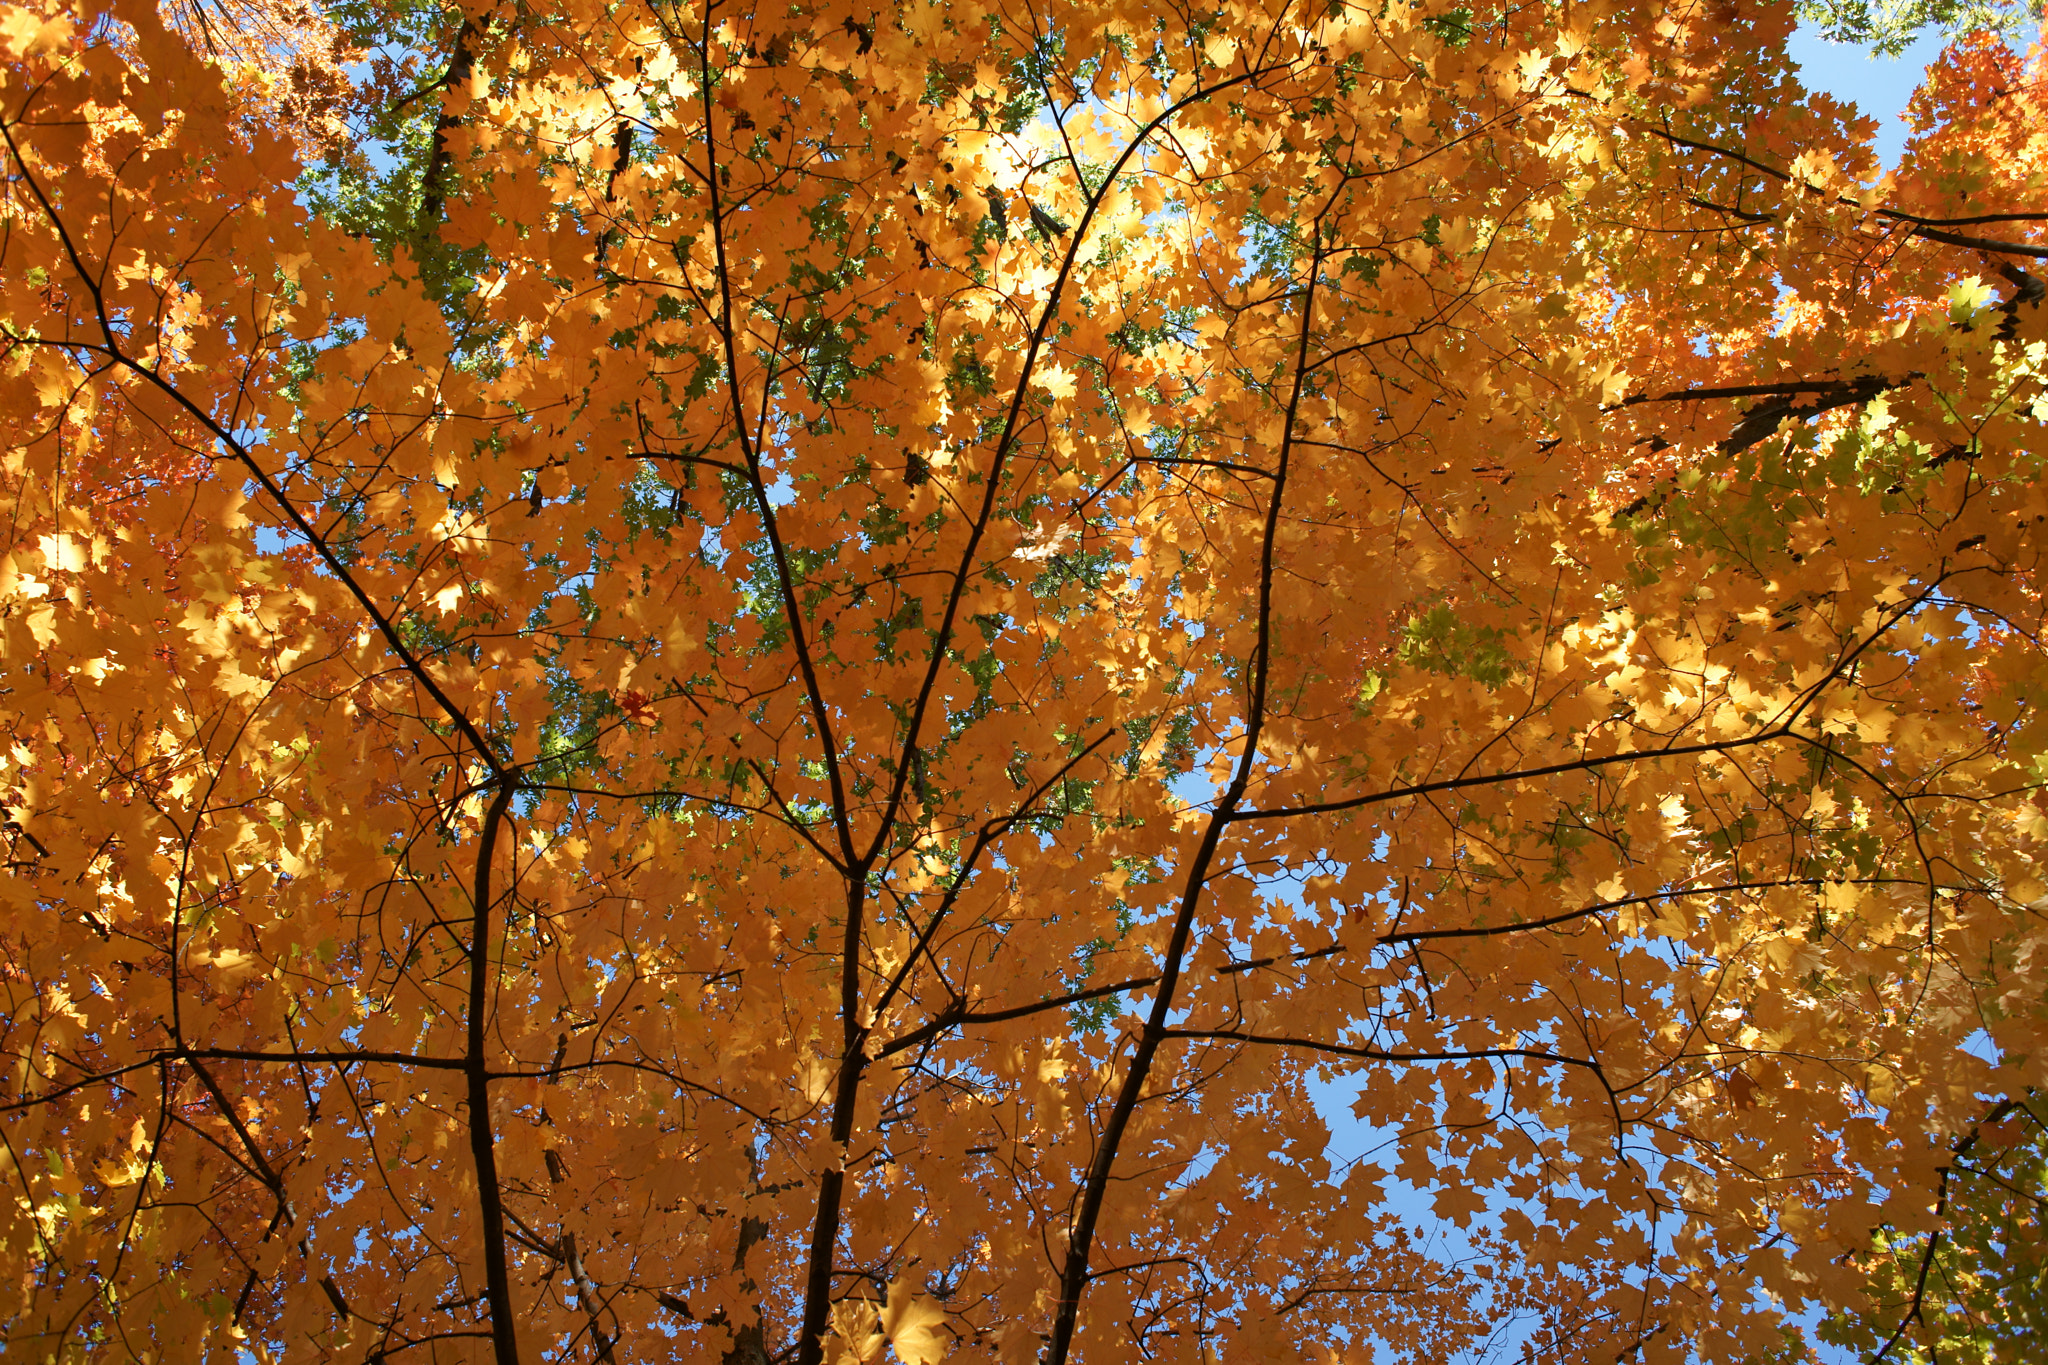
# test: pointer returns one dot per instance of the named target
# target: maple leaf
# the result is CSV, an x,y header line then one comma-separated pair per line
x,y
914,1325
1056,380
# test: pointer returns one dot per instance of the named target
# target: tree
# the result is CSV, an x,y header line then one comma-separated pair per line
x,y
1973,1288
1889,27
788,714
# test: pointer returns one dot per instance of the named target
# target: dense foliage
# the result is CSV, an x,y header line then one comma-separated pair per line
x,y
793,683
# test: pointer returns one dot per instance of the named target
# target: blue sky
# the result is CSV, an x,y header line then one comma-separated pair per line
x,y
1879,87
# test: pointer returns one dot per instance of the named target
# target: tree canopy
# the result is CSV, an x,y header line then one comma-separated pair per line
x,y
1975,1286
790,683
1889,27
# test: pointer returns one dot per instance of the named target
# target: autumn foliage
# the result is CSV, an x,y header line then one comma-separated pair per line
x,y
815,682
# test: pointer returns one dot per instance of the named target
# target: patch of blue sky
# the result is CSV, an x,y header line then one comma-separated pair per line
x,y
1356,1143
1879,87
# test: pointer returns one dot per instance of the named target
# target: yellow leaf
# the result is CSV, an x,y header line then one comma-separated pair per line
x,y
914,1325
1054,379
